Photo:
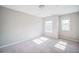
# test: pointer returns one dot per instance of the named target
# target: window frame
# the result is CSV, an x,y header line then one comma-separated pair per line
x,y
65,23
49,25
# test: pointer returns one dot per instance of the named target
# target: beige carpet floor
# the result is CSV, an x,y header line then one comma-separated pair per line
x,y
43,45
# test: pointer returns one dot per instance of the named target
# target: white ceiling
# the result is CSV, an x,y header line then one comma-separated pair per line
x,y
48,10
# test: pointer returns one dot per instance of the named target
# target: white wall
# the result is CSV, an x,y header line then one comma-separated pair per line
x,y
18,26
73,34
55,22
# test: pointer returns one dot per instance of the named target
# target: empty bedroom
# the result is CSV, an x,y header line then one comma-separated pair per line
x,y
39,28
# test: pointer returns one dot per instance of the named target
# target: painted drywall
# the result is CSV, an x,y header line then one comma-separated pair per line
x,y
17,26
73,34
55,21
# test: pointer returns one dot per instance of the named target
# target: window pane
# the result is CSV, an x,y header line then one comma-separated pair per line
x,y
48,26
65,23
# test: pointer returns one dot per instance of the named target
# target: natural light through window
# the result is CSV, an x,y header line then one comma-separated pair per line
x,y
43,38
61,45
48,26
65,23
40,40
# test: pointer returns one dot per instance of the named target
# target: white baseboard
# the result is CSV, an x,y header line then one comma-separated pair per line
x,y
13,43
10,44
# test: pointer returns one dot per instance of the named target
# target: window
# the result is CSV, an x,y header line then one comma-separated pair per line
x,y
65,24
48,26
